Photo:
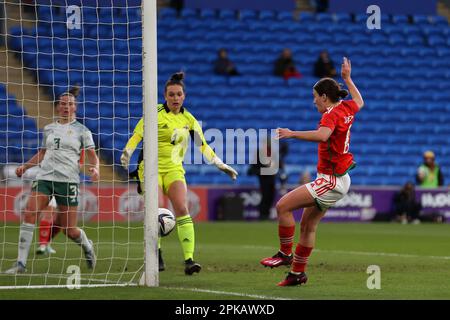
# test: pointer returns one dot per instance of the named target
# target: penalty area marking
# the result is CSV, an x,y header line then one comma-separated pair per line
x,y
363,253
385,254
226,293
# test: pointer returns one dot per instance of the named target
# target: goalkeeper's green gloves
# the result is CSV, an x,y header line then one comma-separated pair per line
x,y
125,158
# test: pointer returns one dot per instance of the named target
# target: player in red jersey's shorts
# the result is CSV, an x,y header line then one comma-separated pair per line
x,y
332,182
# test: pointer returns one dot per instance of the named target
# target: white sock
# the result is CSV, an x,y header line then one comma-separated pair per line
x,y
25,238
84,241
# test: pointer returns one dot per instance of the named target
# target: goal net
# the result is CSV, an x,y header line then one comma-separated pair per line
x,y
49,47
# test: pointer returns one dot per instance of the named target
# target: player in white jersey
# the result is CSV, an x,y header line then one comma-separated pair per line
x,y
58,177
49,225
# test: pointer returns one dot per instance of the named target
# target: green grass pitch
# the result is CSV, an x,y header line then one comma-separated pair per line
x,y
414,262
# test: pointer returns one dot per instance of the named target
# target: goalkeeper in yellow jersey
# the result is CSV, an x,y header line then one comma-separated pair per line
x,y
175,126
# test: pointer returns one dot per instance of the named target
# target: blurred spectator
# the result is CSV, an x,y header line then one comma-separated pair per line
x,y
429,174
177,5
224,66
267,181
320,5
285,66
324,66
406,207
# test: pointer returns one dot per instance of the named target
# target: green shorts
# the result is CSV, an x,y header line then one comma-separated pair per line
x,y
66,194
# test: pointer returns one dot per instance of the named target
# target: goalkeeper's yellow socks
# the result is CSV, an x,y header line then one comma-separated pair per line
x,y
186,235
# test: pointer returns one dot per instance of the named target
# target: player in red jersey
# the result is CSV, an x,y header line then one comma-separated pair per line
x,y
332,182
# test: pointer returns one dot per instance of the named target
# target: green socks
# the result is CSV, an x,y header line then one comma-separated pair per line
x,y
186,235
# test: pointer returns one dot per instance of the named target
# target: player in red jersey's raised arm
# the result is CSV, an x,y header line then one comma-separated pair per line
x,y
332,182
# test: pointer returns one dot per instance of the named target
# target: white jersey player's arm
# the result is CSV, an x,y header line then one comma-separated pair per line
x,y
34,161
31,173
93,164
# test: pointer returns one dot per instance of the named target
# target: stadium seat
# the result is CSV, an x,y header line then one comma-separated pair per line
x,y
306,17
227,14
437,41
378,38
440,21
207,14
400,19
167,13
267,15
286,16
324,18
343,18
188,13
415,40
246,15
421,20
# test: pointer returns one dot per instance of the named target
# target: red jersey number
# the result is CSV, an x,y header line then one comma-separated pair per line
x,y
347,140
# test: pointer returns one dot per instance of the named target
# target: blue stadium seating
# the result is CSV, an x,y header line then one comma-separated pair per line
x,y
188,13
208,14
421,20
343,18
19,137
246,15
164,13
227,15
286,16
400,19
267,15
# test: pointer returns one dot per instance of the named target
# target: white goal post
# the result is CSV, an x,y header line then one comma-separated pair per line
x,y
109,49
150,91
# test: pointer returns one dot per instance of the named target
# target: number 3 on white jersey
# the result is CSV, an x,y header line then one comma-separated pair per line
x,y
347,140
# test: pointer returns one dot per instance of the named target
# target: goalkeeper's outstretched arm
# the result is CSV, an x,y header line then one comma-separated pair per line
x,y
34,161
209,153
215,160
